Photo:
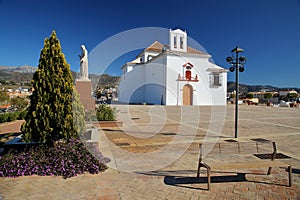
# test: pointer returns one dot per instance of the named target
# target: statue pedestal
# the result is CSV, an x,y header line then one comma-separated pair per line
x,y
84,88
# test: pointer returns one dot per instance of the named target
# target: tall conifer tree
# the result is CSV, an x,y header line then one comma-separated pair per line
x,y
50,114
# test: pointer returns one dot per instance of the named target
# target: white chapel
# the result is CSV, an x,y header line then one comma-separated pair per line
x,y
173,74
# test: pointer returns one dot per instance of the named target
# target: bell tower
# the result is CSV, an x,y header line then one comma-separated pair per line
x,y
178,40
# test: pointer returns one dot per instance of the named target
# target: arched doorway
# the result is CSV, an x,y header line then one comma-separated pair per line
x,y
187,95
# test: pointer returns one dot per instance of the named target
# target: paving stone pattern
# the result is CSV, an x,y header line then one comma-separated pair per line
x,y
142,132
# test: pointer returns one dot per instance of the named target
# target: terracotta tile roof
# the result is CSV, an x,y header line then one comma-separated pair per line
x,y
195,51
157,47
4,106
188,64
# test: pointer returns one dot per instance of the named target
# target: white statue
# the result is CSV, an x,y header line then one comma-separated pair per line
x,y
83,63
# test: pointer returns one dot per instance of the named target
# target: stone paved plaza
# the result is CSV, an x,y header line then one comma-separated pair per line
x,y
154,156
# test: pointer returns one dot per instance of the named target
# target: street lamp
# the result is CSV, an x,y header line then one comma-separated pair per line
x,y
237,64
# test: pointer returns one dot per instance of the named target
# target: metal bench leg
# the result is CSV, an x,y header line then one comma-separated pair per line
x,y
208,173
198,171
208,179
290,175
269,170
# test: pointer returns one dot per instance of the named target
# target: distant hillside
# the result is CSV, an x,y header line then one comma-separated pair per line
x,y
16,75
107,80
24,74
19,69
255,88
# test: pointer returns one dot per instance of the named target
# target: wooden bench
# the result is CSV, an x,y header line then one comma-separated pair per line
x,y
239,155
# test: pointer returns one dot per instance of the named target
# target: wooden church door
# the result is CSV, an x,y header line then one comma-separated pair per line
x,y
187,95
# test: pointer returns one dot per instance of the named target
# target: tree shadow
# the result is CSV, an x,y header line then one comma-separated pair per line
x,y
11,134
112,130
6,137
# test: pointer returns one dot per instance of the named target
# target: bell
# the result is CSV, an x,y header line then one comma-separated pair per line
x,y
241,69
231,69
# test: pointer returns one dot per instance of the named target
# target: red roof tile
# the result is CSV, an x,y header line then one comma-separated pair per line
x,y
158,47
155,47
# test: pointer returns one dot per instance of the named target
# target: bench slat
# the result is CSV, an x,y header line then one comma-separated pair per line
x,y
221,155
240,148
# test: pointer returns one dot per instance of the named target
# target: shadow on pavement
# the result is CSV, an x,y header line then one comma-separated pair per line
x,y
187,181
296,171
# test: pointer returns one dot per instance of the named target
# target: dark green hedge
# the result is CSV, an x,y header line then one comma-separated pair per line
x,y
12,116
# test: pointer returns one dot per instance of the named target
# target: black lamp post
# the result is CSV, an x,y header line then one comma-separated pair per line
x,y
237,64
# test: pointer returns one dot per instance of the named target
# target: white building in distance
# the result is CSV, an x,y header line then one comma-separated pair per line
x,y
173,74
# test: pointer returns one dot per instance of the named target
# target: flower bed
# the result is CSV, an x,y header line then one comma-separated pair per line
x,y
65,159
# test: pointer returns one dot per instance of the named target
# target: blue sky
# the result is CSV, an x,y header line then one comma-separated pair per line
x,y
267,30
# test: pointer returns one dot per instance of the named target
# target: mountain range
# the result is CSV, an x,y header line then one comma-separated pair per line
x,y
243,88
20,69
23,74
16,75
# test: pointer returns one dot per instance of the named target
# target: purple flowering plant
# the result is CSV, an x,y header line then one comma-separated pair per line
x,y
66,159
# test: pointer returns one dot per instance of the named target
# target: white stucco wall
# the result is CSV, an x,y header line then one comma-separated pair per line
x,y
178,35
203,94
145,83
130,83
126,69
146,54
156,82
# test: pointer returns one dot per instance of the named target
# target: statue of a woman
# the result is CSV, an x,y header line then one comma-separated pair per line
x,y
83,63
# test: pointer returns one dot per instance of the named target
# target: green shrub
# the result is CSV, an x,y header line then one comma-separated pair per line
x,y
249,96
90,115
51,113
12,116
105,113
3,117
22,114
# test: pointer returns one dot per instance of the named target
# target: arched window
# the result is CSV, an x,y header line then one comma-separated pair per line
x,y
181,42
175,41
